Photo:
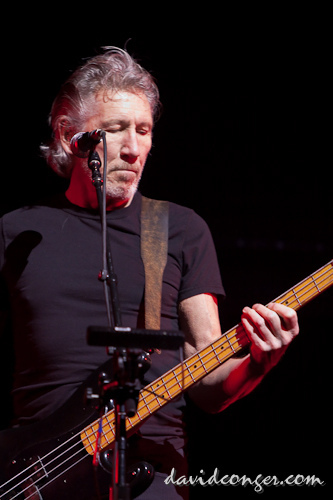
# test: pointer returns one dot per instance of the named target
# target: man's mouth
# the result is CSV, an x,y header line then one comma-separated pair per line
x,y
124,169
123,174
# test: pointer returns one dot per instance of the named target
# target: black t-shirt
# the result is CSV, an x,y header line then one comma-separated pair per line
x,y
50,257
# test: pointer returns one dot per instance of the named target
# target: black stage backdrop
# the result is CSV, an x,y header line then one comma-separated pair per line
x,y
243,140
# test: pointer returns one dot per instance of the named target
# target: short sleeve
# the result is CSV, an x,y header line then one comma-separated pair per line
x,y
200,270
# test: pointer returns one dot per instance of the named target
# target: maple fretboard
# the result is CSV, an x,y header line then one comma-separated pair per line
x,y
184,375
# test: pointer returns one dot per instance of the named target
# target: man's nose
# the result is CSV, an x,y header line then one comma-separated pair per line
x,y
130,149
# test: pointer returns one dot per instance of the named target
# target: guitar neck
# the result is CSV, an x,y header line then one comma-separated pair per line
x,y
197,366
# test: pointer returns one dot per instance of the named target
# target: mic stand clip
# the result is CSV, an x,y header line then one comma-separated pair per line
x,y
94,163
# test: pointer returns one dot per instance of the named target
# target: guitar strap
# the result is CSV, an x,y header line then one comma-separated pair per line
x,y
154,253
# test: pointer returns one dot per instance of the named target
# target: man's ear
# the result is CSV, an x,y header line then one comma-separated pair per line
x,y
66,132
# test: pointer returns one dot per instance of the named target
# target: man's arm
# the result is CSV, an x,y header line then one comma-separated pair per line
x,y
270,329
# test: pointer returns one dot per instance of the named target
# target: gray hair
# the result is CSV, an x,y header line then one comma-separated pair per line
x,y
114,70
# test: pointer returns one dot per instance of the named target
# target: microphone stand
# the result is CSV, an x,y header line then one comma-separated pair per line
x,y
123,388
114,391
107,274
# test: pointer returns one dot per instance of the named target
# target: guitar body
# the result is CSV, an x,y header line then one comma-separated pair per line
x,y
48,461
75,479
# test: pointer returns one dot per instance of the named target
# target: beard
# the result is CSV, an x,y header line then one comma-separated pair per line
x,y
120,187
122,181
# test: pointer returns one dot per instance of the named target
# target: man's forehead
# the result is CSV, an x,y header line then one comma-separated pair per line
x,y
121,96
122,103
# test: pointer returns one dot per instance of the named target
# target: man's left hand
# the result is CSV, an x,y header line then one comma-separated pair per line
x,y
270,328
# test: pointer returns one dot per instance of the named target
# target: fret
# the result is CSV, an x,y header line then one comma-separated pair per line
x,y
105,441
222,348
159,393
189,371
166,388
212,361
175,375
172,384
158,399
202,364
196,366
216,354
142,393
89,440
147,405
295,295
209,358
139,415
317,287
142,407
105,436
110,425
130,422
226,336
308,288
109,431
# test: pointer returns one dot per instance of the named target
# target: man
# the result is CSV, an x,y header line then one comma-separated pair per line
x,y
50,253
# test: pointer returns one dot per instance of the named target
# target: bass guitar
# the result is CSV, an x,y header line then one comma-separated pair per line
x,y
41,462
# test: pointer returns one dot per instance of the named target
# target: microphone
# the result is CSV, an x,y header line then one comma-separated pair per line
x,y
83,142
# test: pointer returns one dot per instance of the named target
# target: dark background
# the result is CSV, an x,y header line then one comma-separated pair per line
x,y
244,140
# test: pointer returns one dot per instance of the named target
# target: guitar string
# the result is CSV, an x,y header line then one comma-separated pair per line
x,y
145,404
40,487
157,395
314,285
68,458
164,384
42,469
306,285
296,300
225,341
73,456
33,465
328,268
64,471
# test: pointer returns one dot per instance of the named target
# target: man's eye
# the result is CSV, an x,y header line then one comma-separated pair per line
x,y
142,131
112,130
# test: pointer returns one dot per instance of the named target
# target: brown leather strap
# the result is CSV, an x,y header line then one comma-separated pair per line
x,y
154,253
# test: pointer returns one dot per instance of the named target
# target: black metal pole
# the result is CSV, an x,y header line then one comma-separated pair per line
x,y
119,489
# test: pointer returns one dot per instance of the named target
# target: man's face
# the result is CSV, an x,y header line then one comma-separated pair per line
x,y
127,120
